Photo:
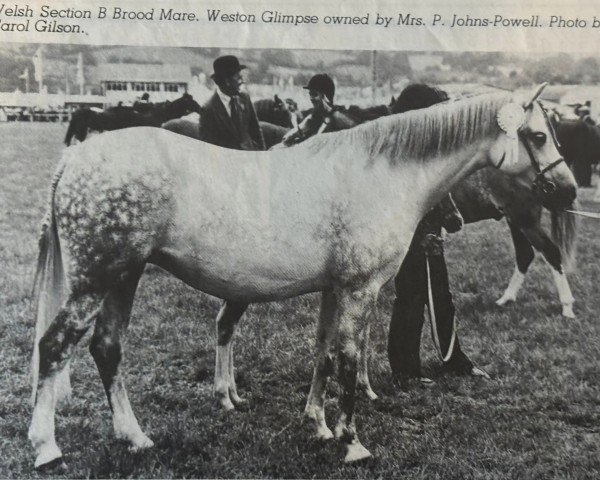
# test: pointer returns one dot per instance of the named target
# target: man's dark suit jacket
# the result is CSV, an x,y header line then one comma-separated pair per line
x,y
217,127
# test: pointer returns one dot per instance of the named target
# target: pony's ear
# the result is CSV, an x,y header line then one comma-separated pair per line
x,y
276,98
536,93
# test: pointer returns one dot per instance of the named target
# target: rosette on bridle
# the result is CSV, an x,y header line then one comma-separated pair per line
x,y
510,118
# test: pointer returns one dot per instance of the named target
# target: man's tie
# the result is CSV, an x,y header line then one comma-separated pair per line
x,y
236,114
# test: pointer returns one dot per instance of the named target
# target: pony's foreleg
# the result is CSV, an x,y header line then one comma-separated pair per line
x,y
55,349
106,350
525,254
363,383
324,365
353,314
541,241
225,389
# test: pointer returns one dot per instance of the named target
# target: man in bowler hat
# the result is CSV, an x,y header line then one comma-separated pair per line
x,y
228,118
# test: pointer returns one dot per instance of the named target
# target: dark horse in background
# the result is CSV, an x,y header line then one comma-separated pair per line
x,y
85,120
275,116
275,119
580,143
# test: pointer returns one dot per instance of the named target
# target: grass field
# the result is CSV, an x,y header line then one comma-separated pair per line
x,y
539,416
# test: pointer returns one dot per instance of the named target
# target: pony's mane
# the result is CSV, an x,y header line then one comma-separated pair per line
x,y
420,134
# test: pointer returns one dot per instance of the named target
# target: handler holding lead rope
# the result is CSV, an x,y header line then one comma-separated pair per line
x,y
423,278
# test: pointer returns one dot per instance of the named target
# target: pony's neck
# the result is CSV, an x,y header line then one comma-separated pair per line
x,y
441,174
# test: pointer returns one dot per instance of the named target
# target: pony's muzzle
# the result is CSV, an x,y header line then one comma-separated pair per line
x,y
552,195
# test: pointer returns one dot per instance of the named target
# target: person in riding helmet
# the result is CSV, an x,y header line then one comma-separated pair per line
x,y
323,117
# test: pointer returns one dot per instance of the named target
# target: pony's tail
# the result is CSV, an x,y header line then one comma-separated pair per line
x,y
564,234
49,290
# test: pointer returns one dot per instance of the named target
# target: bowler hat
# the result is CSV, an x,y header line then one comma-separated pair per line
x,y
321,82
226,65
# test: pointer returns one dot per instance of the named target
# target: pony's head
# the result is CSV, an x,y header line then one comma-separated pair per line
x,y
278,104
526,146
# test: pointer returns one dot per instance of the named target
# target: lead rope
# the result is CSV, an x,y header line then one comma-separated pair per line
x,y
595,215
433,321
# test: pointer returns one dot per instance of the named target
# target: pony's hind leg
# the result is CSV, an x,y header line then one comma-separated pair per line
x,y
525,254
106,350
363,384
225,388
564,293
324,364
553,256
354,309
55,349
525,240
542,242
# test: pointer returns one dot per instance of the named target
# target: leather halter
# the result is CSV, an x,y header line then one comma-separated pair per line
x,y
540,182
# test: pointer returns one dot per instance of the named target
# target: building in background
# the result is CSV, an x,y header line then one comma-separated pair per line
x,y
126,82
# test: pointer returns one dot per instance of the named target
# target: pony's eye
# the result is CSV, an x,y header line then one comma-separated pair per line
x,y
539,138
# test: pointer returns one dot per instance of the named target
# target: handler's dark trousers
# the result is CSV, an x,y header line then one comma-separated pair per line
x,y
404,341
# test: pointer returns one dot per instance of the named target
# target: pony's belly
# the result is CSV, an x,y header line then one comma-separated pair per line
x,y
238,281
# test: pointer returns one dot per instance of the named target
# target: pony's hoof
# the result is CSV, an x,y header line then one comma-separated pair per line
x,y
141,443
314,416
426,382
225,403
370,394
567,311
324,433
478,372
49,458
54,467
355,452
504,300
